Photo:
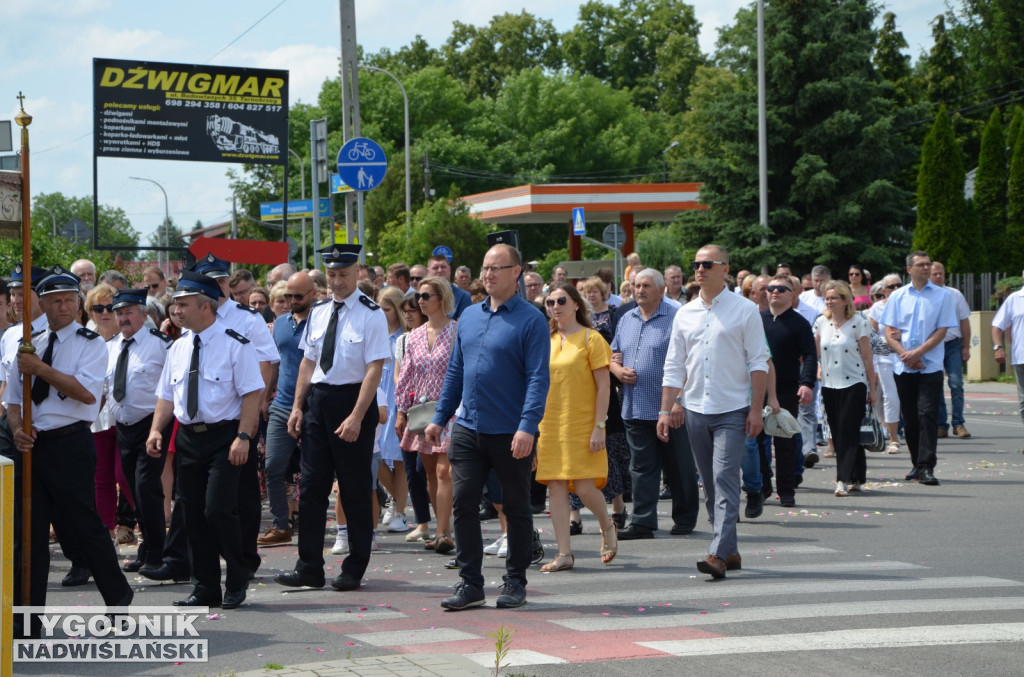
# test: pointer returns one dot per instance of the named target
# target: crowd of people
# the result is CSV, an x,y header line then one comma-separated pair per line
x,y
465,397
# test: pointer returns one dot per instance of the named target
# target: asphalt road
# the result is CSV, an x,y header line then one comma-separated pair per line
x,y
902,579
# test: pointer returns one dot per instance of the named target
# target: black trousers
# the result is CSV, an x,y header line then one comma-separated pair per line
x,y
472,455
785,450
919,403
845,408
64,488
143,473
324,456
176,554
250,507
649,457
209,492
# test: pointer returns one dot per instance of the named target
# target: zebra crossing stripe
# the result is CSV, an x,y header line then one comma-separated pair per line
x,y
405,637
845,640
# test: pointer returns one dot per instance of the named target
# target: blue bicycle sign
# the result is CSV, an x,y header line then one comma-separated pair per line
x,y
362,164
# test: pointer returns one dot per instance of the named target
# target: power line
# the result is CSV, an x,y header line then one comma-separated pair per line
x,y
273,9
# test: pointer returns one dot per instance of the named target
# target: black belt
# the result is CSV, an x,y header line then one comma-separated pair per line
x,y
330,387
204,427
62,431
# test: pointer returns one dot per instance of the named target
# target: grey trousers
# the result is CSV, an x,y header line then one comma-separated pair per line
x,y
717,441
1018,369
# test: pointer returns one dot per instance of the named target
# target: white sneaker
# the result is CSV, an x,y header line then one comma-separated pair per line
x,y
374,545
417,534
398,524
389,514
340,544
499,547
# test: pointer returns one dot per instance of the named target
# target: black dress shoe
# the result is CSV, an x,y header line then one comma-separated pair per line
x,y
575,528
810,459
163,573
345,582
913,475
233,599
680,530
634,532
755,505
198,599
926,476
798,480
487,512
76,576
132,567
665,494
295,579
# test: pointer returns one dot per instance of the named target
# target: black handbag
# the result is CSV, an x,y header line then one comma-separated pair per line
x,y
871,437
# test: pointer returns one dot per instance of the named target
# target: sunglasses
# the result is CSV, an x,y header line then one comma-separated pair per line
x,y
879,296
296,297
154,285
706,265
777,288
893,286
426,296
561,300
103,308
415,279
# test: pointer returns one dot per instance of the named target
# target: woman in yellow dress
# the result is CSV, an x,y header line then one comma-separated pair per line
x,y
571,453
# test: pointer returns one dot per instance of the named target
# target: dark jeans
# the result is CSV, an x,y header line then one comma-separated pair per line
x,y
143,474
324,456
280,447
919,402
845,409
209,491
472,455
649,456
416,478
953,363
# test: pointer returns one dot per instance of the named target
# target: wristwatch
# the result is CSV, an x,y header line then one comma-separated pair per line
x,y
997,347
679,400
602,424
244,436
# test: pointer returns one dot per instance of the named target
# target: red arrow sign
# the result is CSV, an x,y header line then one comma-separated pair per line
x,y
241,251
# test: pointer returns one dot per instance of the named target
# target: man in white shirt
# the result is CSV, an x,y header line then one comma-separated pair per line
x,y
1008,328
958,350
717,364
813,303
813,297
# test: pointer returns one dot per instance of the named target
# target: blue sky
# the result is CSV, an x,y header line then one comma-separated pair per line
x,y
48,47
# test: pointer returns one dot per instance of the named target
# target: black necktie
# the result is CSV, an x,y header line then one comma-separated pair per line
x,y
327,354
40,387
192,403
121,371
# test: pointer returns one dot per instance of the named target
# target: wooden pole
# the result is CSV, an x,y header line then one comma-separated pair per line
x,y
24,120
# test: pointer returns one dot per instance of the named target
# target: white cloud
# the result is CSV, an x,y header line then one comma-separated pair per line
x,y
308,66
98,40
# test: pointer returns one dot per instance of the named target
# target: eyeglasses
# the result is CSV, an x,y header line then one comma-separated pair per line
x,y
777,288
561,300
878,296
706,265
494,269
426,296
893,286
297,297
410,310
109,308
415,279
155,285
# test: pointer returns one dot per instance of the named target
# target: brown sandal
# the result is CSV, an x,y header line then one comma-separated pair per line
x,y
609,550
561,562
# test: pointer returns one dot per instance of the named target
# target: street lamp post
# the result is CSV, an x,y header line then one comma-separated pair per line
x,y
167,225
53,217
664,161
408,193
302,176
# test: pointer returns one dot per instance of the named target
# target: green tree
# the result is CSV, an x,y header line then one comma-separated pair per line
x,y
987,33
115,229
942,227
646,47
944,73
1013,243
483,58
834,151
1013,132
890,61
990,191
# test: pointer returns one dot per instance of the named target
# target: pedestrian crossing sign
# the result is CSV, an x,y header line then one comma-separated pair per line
x,y
579,223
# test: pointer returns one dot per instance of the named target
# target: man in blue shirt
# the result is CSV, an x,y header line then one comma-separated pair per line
x,y
916,318
438,265
499,370
638,360
280,445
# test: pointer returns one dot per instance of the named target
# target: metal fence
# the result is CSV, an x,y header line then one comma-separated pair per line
x,y
977,288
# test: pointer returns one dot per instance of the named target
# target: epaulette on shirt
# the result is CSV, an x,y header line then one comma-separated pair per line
x,y
87,333
249,308
38,333
323,301
160,335
235,335
368,302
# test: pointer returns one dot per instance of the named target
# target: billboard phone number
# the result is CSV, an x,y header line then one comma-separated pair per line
x,y
217,105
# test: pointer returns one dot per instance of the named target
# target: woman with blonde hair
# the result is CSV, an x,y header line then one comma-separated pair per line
x,y
847,379
571,453
424,364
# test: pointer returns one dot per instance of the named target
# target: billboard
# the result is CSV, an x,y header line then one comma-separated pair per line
x,y
167,111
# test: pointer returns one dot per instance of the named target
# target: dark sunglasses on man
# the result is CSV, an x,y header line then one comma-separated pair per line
x,y
777,288
706,265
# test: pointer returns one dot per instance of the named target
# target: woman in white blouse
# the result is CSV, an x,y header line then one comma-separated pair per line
x,y
847,380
